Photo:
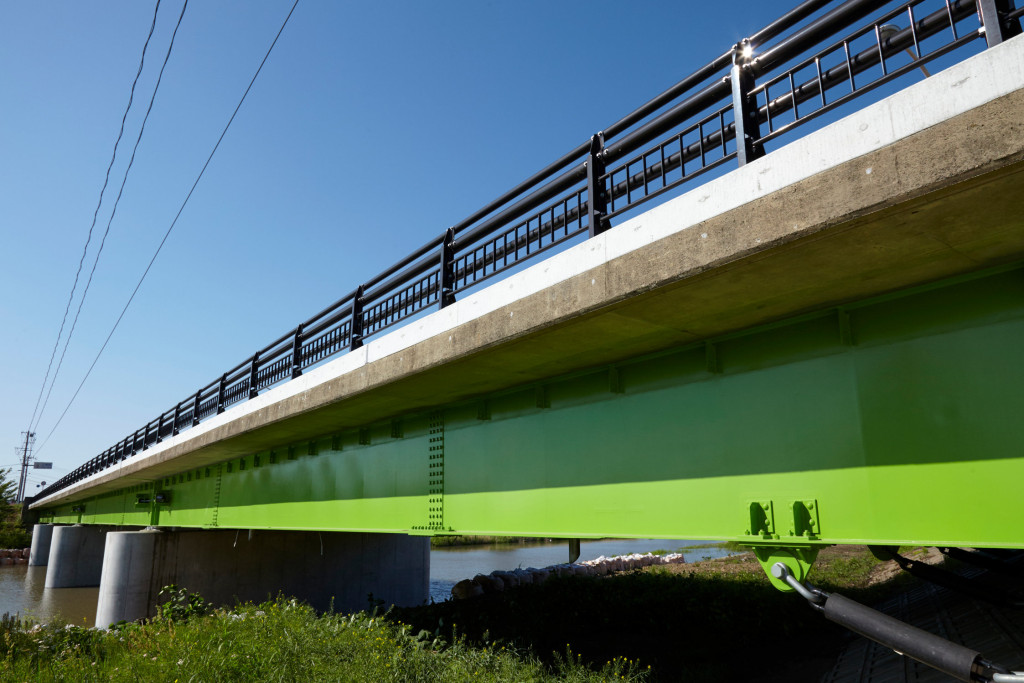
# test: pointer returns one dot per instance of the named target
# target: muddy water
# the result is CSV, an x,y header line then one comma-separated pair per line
x,y
22,592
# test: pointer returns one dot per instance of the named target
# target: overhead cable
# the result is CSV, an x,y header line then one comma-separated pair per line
x,y
88,239
117,201
170,228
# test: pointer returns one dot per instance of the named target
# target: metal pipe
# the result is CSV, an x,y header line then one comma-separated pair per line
x,y
425,263
532,201
869,57
862,61
333,307
842,16
815,32
788,20
427,248
948,657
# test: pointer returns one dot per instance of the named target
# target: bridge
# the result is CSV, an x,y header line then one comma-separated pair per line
x,y
818,345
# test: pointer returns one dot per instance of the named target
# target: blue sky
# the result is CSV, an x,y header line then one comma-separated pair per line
x,y
372,128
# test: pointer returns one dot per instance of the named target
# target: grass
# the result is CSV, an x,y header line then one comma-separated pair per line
x,y
282,640
725,545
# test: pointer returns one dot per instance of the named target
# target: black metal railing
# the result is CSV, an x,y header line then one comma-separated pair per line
x,y
824,54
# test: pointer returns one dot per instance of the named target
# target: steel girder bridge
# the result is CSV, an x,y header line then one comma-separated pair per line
x,y
832,358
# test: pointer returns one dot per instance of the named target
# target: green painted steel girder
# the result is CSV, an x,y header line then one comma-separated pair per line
x,y
891,421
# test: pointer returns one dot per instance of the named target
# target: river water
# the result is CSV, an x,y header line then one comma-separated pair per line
x,y
22,591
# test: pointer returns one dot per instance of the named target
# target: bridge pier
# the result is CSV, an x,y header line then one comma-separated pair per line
x,y
224,566
39,555
75,557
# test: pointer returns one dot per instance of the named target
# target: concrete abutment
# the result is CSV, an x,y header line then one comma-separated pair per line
x,y
324,569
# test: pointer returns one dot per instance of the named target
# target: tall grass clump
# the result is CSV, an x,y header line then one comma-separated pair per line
x,y
281,640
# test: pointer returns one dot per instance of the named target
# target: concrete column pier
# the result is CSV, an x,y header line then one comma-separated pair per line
x,y
127,584
225,566
39,555
76,556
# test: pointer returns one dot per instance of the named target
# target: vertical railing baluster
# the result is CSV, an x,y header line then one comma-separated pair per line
x,y
744,107
446,277
356,336
177,416
254,370
220,393
995,32
195,408
297,352
597,201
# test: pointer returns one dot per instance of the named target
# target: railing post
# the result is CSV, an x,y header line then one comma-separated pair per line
x,y
135,440
254,379
195,408
744,107
356,334
220,393
989,11
446,276
297,352
597,201
160,427
177,416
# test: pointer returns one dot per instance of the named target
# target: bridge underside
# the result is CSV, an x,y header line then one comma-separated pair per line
x,y
893,420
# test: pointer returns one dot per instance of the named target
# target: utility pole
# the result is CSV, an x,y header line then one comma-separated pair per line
x,y
26,457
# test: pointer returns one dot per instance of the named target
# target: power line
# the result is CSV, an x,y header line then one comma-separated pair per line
x,y
85,290
88,239
171,227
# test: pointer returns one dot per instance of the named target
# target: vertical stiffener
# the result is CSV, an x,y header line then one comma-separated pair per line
x,y
216,497
435,472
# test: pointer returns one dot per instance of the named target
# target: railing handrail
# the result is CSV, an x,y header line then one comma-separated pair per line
x,y
523,221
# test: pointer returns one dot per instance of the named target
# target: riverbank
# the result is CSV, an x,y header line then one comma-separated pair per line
x,y
459,541
702,621
11,556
